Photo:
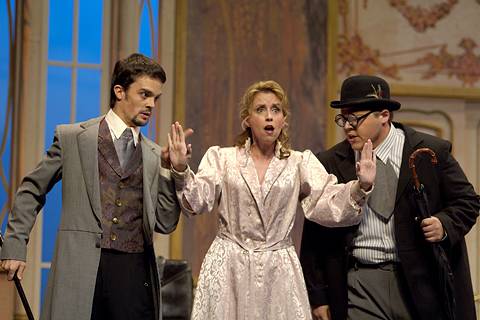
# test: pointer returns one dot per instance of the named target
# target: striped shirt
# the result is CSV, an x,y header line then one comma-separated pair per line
x,y
375,238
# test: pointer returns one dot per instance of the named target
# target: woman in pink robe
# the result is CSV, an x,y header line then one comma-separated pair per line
x,y
251,270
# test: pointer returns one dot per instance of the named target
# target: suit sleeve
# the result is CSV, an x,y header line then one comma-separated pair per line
x,y
322,248
313,268
324,200
460,203
167,208
30,199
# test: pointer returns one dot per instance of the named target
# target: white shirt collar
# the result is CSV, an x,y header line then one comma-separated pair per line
x,y
383,150
117,126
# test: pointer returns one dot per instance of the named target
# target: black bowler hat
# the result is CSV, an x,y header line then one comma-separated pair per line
x,y
364,92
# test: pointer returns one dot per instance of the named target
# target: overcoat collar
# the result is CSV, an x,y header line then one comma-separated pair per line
x,y
88,149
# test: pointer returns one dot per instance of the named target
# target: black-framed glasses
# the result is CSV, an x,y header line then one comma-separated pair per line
x,y
342,119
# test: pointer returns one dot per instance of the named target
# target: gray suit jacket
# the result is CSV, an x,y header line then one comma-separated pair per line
x,y
73,157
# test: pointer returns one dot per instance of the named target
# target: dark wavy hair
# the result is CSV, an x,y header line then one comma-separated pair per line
x,y
246,103
128,70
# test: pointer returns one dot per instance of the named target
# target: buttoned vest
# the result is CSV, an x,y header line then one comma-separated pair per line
x,y
121,195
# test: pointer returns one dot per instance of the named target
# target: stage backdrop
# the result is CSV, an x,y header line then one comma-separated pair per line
x,y
227,45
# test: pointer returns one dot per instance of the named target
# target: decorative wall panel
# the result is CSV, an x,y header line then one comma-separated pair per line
x,y
231,44
415,42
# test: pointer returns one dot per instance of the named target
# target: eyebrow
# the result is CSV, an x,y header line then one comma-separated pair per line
x,y
264,105
149,92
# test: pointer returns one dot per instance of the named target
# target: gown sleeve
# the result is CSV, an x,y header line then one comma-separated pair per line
x,y
199,193
324,200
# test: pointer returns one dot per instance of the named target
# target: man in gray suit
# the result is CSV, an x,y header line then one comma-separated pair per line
x,y
115,194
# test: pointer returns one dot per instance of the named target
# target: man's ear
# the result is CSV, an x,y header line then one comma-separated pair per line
x,y
385,114
119,92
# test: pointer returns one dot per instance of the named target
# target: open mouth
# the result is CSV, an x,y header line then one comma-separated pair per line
x,y
269,129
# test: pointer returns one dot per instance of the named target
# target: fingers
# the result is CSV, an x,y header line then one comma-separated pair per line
x,y
321,313
13,266
432,229
20,271
170,143
367,151
178,134
188,132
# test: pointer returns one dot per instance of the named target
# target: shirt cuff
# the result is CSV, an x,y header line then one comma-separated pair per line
x,y
180,177
445,235
358,195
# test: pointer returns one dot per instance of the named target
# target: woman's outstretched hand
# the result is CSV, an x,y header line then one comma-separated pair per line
x,y
178,151
367,166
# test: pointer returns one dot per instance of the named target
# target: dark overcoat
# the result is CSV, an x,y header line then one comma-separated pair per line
x,y
452,199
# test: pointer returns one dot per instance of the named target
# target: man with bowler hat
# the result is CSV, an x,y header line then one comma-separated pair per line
x,y
383,268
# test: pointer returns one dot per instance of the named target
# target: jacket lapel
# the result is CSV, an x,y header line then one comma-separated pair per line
x,y
346,163
88,146
275,168
107,148
151,165
249,175
412,140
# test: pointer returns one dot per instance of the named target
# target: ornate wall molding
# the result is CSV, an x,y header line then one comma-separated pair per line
x,y
434,122
373,39
421,18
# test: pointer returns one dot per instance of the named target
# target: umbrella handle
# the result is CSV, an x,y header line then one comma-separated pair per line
x,y
411,163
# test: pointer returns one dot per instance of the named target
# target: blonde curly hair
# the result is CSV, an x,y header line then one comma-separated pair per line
x,y
246,103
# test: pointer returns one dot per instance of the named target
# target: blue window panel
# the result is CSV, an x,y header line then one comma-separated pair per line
x,y
145,47
57,112
59,81
6,172
90,31
145,37
60,33
88,94
43,285
4,226
4,122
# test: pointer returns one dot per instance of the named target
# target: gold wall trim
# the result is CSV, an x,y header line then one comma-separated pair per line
x,y
176,240
439,132
332,85
435,91
445,115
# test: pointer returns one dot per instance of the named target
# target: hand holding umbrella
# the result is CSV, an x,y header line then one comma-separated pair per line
x,y
433,230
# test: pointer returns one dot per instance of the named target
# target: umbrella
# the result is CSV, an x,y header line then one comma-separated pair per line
x,y
444,272
20,291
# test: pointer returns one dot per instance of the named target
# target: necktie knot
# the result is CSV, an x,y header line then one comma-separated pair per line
x,y
127,134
